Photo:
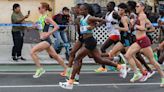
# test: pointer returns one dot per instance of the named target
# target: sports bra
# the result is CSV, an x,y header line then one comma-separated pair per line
x,y
42,25
84,24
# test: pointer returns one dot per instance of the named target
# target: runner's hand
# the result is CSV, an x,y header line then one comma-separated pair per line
x,y
116,26
44,35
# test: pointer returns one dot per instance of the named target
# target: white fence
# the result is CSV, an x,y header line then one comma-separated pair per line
x,y
100,33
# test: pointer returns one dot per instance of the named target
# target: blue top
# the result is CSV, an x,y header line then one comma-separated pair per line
x,y
84,24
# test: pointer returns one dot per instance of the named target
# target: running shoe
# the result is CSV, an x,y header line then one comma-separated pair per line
x,y
76,82
150,74
128,69
123,59
21,58
101,70
136,76
162,82
66,85
123,71
144,78
39,72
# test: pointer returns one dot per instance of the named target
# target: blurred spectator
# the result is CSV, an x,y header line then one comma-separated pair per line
x,y
62,18
153,17
161,22
17,32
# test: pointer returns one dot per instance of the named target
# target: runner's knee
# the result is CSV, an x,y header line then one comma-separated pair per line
x,y
77,62
33,52
128,56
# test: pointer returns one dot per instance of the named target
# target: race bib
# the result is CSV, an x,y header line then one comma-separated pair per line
x,y
83,29
40,26
108,26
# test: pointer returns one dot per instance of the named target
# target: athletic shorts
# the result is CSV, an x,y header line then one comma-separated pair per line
x,y
90,43
81,38
150,37
143,42
126,40
48,40
133,39
114,37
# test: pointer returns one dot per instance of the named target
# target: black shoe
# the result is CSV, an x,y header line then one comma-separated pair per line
x,y
15,58
21,58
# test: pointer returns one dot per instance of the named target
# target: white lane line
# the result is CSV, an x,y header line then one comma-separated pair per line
x,y
83,85
29,73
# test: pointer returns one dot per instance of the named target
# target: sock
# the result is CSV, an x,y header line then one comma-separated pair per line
x,y
77,76
68,71
116,59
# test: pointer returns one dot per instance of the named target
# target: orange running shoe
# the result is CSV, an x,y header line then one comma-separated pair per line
x,y
101,70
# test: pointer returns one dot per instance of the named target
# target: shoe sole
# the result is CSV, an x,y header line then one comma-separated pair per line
x,y
39,75
144,80
135,80
126,72
60,84
151,75
74,83
101,72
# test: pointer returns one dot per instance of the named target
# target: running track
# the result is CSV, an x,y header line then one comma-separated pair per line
x,y
90,82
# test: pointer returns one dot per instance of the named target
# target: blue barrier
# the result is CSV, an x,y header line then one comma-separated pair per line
x,y
31,25
26,25
155,24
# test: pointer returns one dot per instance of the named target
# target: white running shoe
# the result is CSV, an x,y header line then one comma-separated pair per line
x,y
66,85
144,78
76,82
123,71
136,77
128,69
150,74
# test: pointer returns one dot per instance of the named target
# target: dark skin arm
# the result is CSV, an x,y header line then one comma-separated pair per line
x,y
104,54
92,21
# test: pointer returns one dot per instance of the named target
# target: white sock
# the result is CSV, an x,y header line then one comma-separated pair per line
x,y
77,76
116,58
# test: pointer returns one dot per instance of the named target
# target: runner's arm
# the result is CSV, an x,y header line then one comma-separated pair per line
x,y
125,23
56,27
95,19
149,26
142,23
